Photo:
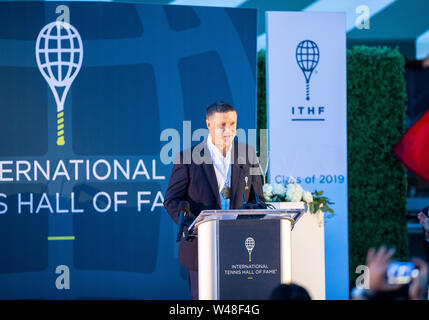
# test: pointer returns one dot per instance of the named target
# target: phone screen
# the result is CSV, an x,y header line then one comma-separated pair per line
x,y
401,272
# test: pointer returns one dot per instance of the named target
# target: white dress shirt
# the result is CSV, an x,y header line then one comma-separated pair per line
x,y
222,166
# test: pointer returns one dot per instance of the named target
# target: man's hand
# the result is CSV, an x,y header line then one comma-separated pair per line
x,y
377,263
424,221
418,285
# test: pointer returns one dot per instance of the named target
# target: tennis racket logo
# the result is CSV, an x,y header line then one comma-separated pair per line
x,y
307,57
59,55
249,243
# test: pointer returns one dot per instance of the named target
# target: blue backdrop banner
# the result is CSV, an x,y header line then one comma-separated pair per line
x,y
88,91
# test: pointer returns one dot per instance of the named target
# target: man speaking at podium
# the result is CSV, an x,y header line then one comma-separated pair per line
x,y
212,175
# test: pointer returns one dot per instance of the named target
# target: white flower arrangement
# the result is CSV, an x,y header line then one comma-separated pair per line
x,y
293,192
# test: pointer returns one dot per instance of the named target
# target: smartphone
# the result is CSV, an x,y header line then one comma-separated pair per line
x,y
401,272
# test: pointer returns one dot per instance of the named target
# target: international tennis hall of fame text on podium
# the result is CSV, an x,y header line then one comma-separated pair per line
x,y
249,258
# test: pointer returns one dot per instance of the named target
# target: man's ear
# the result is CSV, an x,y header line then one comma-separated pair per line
x,y
208,124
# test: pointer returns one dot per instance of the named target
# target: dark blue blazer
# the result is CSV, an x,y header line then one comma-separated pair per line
x,y
193,178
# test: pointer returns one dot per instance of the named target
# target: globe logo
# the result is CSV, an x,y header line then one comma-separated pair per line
x,y
307,57
59,55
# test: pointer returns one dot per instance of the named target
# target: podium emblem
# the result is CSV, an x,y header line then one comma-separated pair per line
x,y
250,244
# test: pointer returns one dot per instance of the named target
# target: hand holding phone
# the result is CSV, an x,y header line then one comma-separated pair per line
x,y
401,272
377,262
418,286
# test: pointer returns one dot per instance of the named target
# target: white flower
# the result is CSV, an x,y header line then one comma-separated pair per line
x,y
268,190
279,189
294,192
307,197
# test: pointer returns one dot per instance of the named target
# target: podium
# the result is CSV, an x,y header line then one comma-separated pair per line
x,y
244,254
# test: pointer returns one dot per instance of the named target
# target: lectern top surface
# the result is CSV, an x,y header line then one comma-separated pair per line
x,y
292,214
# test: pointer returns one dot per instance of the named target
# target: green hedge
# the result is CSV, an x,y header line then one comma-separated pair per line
x,y
261,98
377,181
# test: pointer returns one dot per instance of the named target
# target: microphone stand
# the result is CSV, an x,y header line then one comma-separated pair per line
x,y
257,204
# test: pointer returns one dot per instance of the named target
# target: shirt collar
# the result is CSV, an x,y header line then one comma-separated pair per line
x,y
215,152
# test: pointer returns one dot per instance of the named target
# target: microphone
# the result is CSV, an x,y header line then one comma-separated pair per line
x,y
242,195
183,209
257,204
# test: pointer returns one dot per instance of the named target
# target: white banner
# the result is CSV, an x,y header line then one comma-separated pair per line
x,y
306,64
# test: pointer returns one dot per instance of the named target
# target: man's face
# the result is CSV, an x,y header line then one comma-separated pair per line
x,y
222,127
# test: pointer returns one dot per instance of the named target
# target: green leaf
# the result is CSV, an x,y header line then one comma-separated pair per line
x,y
316,208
